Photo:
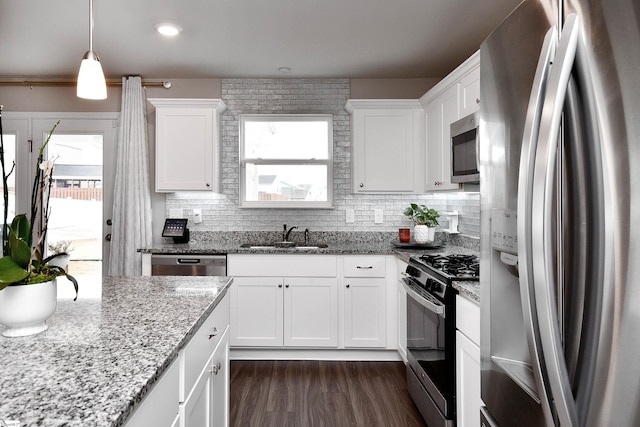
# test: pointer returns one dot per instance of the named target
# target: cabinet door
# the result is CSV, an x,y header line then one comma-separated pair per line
x,y
441,112
184,149
256,312
387,141
310,312
365,312
468,381
220,387
470,93
402,312
196,410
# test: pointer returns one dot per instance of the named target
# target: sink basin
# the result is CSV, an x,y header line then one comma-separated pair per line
x,y
274,246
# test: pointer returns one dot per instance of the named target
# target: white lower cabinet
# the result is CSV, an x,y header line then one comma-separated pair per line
x,y
208,403
468,363
364,293
402,312
271,308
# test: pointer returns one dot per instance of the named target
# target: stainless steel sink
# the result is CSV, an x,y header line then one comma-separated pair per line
x,y
273,246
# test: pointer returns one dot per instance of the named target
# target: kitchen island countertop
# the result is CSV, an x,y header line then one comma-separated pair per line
x,y
101,355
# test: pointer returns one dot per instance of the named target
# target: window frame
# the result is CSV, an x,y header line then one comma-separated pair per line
x,y
244,203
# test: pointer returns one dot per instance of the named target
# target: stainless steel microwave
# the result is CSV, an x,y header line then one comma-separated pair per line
x,y
464,149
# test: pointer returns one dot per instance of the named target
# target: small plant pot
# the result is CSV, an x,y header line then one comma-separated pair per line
x,y
61,261
423,234
25,308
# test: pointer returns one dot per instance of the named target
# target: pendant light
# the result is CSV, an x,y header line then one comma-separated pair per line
x,y
91,82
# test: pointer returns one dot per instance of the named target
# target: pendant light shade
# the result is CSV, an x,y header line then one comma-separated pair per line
x,y
91,81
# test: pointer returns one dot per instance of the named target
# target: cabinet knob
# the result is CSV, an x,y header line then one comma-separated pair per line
x,y
279,285
361,185
286,286
348,285
477,100
216,368
214,333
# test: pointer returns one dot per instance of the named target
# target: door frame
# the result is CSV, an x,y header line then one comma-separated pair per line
x,y
109,128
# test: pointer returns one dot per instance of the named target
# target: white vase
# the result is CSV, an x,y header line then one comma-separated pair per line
x,y
423,234
25,308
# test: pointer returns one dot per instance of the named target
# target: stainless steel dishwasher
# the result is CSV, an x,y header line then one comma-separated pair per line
x,y
187,265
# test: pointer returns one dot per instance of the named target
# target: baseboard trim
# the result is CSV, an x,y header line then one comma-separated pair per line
x,y
313,354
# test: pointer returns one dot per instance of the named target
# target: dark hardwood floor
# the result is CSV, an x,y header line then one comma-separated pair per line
x,y
320,393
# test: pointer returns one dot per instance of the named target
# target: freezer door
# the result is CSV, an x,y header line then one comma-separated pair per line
x,y
606,372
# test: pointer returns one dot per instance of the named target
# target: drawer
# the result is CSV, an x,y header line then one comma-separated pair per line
x,y
364,266
468,318
196,353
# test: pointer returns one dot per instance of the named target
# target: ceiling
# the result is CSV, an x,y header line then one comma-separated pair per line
x,y
246,38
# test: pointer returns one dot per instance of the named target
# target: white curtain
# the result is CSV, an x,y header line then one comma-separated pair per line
x,y
132,195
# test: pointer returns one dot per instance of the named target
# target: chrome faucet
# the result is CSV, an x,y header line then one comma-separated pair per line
x,y
285,233
306,236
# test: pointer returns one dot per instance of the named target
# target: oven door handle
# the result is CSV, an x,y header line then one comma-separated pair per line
x,y
431,306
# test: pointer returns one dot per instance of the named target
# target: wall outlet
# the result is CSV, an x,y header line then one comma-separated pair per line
x,y
175,213
197,216
350,216
377,216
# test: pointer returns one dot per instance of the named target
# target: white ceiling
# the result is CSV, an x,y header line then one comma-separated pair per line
x,y
246,38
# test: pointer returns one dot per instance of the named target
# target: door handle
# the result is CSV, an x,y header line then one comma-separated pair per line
x,y
525,208
542,225
108,237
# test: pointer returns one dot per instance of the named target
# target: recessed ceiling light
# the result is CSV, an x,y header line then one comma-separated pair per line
x,y
284,70
167,29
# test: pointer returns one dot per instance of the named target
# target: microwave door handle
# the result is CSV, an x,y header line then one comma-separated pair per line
x,y
525,211
542,225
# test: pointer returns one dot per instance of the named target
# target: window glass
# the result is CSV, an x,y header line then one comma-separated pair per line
x,y
9,159
286,161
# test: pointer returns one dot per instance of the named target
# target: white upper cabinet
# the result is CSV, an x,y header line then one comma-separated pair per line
x,y
187,144
454,97
387,145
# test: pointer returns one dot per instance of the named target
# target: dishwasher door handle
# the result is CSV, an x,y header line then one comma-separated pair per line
x,y
188,260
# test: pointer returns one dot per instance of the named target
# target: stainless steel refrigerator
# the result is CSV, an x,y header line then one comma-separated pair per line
x,y
560,215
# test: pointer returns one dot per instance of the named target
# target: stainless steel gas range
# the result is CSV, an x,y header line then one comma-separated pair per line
x,y
431,331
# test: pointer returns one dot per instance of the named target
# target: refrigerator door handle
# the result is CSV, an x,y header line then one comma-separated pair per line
x,y
542,226
525,211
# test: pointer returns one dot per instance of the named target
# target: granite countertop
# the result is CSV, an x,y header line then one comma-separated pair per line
x,y
101,355
466,246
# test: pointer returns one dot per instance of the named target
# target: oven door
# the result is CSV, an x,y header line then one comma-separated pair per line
x,y
430,355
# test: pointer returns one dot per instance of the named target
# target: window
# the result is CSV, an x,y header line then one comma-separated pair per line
x,y
9,141
286,161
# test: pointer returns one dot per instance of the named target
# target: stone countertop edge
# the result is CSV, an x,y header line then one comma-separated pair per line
x,y
100,358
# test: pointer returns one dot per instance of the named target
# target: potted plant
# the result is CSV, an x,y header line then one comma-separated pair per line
x,y
28,289
60,250
426,220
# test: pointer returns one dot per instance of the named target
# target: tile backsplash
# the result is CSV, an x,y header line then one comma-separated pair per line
x,y
220,212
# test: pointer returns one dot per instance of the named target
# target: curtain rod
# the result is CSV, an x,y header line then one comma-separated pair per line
x,y
165,84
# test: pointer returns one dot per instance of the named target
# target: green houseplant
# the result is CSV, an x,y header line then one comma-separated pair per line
x,y
426,220
27,280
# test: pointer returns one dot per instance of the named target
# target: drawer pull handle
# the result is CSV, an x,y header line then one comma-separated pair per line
x,y
216,368
364,268
215,333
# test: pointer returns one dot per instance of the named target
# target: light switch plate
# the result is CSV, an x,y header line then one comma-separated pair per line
x,y
377,216
197,216
350,216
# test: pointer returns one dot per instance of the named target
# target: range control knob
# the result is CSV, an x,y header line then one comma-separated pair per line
x,y
436,287
412,271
